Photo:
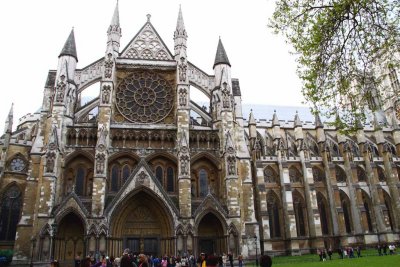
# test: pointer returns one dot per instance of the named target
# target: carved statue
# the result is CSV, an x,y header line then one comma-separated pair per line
x,y
50,160
60,90
100,159
182,70
182,97
184,165
106,94
108,65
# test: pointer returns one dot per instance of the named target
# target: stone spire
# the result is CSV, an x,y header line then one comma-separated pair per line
x,y
115,18
275,120
252,121
114,32
9,121
221,57
69,48
297,121
318,122
180,25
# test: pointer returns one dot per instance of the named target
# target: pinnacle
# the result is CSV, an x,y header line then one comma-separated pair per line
x,y
251,118
297,122
275,121
221,57
69,48
115,18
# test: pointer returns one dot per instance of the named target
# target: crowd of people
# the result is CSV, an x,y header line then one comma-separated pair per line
x,y
383,249
128,259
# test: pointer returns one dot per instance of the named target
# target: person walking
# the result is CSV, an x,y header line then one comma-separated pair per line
x,y
240,260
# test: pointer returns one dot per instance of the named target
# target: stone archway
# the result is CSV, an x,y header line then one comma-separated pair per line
x,y
211,235
144,225
69,239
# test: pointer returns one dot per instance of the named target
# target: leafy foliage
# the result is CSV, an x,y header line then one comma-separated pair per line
x,y
339,44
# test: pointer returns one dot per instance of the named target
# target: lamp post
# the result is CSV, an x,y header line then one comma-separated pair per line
x,y
33,240
255,241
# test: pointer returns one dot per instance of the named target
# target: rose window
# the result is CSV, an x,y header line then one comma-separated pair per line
x,y
144,97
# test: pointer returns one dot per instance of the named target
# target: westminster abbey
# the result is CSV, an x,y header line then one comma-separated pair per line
x,y
156,172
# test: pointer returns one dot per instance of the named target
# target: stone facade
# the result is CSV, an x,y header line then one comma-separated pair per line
x,y
142,173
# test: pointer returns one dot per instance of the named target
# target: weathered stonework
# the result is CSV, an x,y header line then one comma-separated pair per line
x,y
143,173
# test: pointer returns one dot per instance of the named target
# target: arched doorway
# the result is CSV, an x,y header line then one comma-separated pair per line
x,y
211,238
144,225
69,240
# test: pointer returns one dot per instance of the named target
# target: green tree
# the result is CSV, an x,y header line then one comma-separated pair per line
x,y
339,44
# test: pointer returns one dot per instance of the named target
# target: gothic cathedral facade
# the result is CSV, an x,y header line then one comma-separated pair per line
x,y
143,174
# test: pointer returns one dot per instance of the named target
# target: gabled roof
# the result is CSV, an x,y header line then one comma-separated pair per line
x,y
147,45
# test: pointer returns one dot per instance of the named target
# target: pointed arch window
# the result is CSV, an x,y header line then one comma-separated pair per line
x,y
159,174
126,171
381,175
295,175
323,215
270,176
114,178
299,216
362,177
10,213
318,175
80,181
170,179
274,220
340,175
346,215
368,215
203,182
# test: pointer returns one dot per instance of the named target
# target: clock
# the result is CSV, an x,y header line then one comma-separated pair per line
x,y
17,165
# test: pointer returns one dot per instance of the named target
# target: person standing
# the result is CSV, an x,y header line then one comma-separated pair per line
x,y
230,257
240,259
143,262
202,261
224,260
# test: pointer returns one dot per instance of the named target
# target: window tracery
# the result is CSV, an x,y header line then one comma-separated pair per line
x,y
270,176
144,97
10,213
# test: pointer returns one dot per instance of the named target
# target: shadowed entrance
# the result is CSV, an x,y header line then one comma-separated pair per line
x,y
211,235
144,225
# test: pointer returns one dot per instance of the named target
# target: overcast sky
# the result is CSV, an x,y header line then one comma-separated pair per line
x,y
34,32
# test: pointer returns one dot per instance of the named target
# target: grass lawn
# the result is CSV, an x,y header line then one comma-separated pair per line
x,y
368,260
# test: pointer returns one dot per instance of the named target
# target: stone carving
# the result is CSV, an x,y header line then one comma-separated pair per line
x,y
184,164
60,89
144,97
147,45
231,161
108,66
182,97
105,99
141,178
182,67
100,163
50,161
225,96
101,143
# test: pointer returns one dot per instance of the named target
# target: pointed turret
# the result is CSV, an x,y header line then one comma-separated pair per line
x,y
114,32
276,126
252,127
9,121
69,48
221,57
297,121
180,37
318,122
275,121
